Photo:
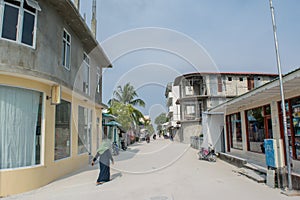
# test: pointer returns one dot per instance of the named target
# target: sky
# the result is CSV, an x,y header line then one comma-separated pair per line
x,y
151,42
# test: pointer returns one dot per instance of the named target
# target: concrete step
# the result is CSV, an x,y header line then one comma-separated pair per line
x,y
234,160
258,177
256,168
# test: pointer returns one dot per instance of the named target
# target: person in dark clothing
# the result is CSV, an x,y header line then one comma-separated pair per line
x,y
105,156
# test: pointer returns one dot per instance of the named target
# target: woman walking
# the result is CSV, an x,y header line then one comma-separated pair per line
x,y
104,155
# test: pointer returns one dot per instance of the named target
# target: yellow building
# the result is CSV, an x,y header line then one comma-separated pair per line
x,y
50,93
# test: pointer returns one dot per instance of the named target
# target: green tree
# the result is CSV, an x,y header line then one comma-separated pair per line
x,y
122,106
123,114
159,120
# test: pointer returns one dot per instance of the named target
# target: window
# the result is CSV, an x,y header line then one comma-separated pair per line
x,y
84,130
19,21
235,130
66,51
293,125
98,131
62,130
86,74
20,127
295,104
250,83
98,80
229,78
220,85
189,90
241,79
189,112
259,127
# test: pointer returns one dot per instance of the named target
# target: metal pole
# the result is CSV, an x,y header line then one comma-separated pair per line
x,y
286,139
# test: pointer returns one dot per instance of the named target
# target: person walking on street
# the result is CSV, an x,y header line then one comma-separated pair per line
x,y
105,156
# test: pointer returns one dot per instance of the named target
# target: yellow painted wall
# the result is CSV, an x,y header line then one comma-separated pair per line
x,y
14,181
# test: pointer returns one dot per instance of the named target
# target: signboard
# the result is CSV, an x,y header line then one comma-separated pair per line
x,y
271,153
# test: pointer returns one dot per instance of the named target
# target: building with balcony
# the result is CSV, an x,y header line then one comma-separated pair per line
x,y
199,92
50,92
172,95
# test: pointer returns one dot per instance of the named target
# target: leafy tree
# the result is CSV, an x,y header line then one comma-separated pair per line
x,y
123,114
122,106
159,120
126,115
148,125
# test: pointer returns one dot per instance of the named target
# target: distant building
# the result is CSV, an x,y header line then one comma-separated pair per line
x,y
172,95
50,92
199,92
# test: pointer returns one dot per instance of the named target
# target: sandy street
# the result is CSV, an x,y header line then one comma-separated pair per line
x,y
161,170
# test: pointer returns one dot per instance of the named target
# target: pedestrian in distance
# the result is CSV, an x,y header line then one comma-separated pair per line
x,y
154,136
105,156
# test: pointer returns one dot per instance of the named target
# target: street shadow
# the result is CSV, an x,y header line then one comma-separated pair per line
x,y
126,155
116,175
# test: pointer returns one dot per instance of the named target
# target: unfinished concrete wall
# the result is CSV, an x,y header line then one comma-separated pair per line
x,y
45,61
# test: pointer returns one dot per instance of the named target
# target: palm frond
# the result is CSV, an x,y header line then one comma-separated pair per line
x,y
138,102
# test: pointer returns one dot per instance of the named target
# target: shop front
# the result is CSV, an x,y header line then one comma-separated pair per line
x,y
255,116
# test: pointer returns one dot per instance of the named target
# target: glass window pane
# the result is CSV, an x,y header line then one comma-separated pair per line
x,y
236,131
62,130
10,22
82,130
256,129
20,127
296,125
64,53
28,7
68,56
28,27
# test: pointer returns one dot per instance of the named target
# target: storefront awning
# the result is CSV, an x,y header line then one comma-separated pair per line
x,y
113,123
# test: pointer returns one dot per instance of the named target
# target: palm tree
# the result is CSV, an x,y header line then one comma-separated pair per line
x,y
126,95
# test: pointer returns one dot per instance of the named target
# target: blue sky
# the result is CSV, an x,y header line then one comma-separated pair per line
x,y
189,36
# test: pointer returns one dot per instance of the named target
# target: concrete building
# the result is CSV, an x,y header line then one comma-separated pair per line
x,y
199,92
172,95
50,92
256,115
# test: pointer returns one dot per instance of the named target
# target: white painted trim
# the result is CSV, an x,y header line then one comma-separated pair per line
x,y
1,16
21,168
65,39
43,131
87,64
19,24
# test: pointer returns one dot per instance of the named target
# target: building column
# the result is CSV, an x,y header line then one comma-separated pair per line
x,y
244,130
282,179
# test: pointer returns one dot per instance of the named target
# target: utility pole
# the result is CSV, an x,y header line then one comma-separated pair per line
x,y
94,19
286,139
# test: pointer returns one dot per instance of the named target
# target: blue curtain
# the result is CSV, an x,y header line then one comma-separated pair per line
x,y
18,122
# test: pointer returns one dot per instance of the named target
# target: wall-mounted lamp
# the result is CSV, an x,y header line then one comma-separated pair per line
x,y
55,95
